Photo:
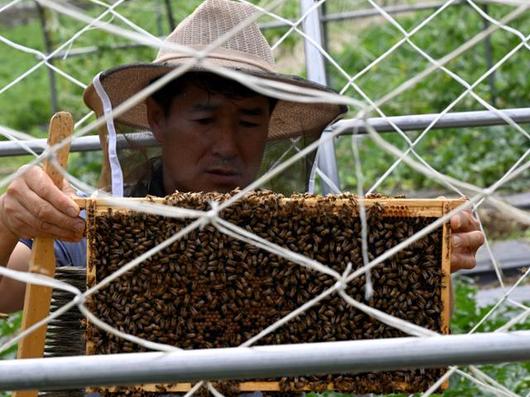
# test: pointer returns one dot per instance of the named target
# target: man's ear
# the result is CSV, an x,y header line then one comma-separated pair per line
x,y
156,118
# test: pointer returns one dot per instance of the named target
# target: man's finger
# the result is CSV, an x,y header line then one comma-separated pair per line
x,y
46,189
48,217
467,242
28,226
462,261
464,222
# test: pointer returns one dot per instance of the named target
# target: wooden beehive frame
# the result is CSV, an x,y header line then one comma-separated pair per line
x,y
391,208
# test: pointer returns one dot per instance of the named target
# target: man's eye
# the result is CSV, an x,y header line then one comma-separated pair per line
x,y
248,124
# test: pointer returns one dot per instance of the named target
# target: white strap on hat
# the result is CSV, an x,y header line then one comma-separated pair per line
x,y
116,173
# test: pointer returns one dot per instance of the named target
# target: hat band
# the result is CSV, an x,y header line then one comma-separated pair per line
x,y
230,57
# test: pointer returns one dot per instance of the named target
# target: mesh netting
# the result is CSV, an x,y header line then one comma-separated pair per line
x,y
388,60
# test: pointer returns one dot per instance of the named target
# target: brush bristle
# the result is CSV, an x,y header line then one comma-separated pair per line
x,y
65,335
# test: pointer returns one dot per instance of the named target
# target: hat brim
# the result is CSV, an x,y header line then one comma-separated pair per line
x,y
288,120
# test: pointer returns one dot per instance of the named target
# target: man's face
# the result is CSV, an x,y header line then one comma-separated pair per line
x,y
210,142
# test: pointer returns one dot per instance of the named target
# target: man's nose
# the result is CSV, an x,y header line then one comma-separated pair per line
x,y
226,144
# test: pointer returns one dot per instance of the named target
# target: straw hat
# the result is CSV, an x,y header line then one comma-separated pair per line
x,y
246,51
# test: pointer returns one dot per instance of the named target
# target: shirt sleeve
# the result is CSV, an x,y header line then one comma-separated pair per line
x,y
66,253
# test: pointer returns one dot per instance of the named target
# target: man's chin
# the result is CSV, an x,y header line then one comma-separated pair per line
x,y
223,188
214,187
220,185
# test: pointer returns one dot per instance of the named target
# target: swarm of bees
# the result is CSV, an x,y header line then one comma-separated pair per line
x,y
211,290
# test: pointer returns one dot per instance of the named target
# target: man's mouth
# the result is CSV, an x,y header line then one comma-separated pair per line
x,y
224,175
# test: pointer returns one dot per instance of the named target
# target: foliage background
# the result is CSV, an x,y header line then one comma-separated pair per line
x,y
476,155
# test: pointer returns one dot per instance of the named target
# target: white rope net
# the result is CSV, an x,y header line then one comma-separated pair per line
x,y
117,22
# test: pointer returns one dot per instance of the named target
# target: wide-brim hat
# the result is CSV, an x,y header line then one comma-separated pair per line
x,y
246,51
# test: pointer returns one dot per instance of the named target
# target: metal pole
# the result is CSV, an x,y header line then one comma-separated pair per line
x,y
48,49
316,71
82,144
325,31
483,118
391,10
169,11
264,361
82,51
405,123
489,57
371,12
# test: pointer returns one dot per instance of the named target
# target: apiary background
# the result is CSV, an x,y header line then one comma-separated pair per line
x,y
210,290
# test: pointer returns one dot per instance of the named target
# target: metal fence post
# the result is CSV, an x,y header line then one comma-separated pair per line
x,y
169,11
316,71
488,48
48,48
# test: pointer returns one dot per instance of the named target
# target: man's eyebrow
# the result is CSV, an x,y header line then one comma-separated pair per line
x,y
252,111
207,107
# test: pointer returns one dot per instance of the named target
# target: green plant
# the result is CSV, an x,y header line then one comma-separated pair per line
x,y
477,155
8,328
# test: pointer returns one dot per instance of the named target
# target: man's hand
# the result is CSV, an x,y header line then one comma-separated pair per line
x,y
34,207
465,241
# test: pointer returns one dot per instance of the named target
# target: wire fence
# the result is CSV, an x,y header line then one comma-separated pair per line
x,y
363,106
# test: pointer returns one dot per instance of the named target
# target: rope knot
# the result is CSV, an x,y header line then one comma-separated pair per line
x,y
211,216
200,56
342,283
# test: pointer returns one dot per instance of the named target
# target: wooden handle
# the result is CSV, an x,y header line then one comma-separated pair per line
x,y
61,127
42,260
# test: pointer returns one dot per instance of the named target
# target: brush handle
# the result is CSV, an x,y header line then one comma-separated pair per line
x,y
42,260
